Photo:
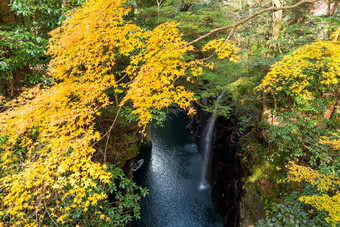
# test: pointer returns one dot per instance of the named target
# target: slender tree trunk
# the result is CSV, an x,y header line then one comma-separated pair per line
x,y
277,16
329,15
335,6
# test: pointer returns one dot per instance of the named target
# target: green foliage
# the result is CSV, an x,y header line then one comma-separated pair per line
x,y
299,123
45,15
242,87
20,47
325,195
231,78
292,213
300,93
196,18
124,196
297,136
24,41
57,127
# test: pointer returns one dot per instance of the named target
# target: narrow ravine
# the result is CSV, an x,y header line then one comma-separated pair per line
x,y
172,171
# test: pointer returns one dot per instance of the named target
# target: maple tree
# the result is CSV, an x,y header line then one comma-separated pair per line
x,y
47,133
295,74
328,185
303,89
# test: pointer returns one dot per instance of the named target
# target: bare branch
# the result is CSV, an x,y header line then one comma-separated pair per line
x,y
109,132
271,9
50,215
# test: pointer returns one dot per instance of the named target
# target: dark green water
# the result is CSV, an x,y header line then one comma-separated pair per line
x,y
172,171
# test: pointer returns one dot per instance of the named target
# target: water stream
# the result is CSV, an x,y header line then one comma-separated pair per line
x,y
172,171
205,145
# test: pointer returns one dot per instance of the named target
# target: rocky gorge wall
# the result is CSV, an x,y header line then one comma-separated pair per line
x,y
227,172
238,205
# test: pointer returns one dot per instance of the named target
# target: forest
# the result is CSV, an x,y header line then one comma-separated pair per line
x,y
81,81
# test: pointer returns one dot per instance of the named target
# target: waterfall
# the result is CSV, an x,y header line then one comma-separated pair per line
x,y
206,143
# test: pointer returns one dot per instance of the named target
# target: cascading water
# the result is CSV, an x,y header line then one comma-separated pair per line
x,y
206,145
171,174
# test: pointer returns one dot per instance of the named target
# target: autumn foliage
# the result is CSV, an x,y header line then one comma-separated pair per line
x,y
304,88
327,185
296,73
47,170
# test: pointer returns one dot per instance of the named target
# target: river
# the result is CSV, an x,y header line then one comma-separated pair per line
x,y
172,172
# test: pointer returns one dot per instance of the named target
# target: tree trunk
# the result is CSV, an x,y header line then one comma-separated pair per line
x,y
277,16
6,16
15,79
329,15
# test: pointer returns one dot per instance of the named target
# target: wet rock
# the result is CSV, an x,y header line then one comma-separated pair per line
x,y
227,172
146,141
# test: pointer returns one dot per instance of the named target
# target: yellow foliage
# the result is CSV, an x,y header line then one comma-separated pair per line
x,y
324,183
335,143
2,99
162,61
99,37
316,62
85,46
55,128
336,35
46,135
223,48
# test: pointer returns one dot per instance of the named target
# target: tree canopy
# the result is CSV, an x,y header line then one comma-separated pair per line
x,y
69,80
48,173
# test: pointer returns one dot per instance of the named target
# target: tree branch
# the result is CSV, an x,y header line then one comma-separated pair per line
x,y
249,18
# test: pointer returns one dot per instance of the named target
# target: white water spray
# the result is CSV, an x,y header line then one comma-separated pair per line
x,y
206,147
